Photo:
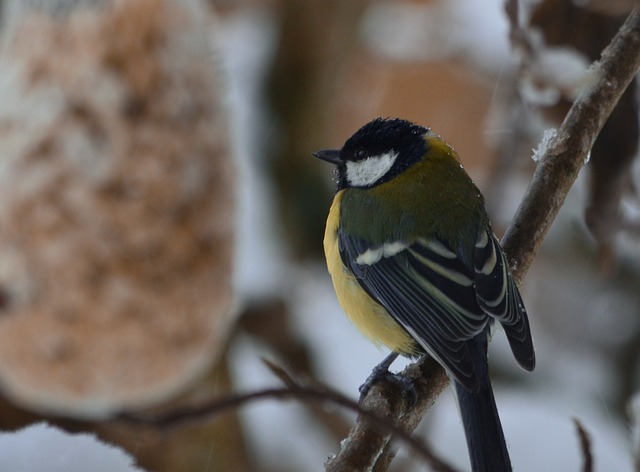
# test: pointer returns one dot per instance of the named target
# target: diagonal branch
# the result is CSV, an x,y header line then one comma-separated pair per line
x,y
558,168
568,150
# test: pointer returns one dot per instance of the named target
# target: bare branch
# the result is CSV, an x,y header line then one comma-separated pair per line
x,y
556,172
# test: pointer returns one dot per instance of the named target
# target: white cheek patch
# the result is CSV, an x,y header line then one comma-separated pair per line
x,y
366,172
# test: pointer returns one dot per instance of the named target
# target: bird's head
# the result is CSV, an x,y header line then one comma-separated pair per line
x,y
377,152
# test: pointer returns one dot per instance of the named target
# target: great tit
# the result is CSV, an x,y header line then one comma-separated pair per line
x,y
417,268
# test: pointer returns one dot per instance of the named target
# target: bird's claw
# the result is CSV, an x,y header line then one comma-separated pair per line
x,y
382,373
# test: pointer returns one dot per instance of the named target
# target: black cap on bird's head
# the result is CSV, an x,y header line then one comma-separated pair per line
x,y
377,152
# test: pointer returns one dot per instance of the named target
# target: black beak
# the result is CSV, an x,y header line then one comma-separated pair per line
x,y
330,155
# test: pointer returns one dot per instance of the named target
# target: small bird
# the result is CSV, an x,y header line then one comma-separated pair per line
x,y
417,268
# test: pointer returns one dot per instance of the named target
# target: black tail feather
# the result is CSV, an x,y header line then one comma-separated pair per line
x,y
485,439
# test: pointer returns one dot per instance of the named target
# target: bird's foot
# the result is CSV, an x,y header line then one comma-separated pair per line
x,y
381,372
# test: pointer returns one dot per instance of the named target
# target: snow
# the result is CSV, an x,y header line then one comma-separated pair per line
x,y
411,31
45,447
547,137
556,72
258,256
540,436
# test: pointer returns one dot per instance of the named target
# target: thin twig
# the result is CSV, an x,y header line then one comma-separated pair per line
x,y
292,391
556,172
518,36
585,446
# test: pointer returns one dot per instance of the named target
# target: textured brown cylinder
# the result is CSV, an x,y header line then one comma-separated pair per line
x,y
116,205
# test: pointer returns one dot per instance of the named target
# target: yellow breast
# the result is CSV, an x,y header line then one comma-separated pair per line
x,y
371,318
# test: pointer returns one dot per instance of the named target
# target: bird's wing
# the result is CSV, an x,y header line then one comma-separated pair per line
x,y
498,296
428,290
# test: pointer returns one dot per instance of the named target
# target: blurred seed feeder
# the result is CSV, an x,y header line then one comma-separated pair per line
x,y
116,204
